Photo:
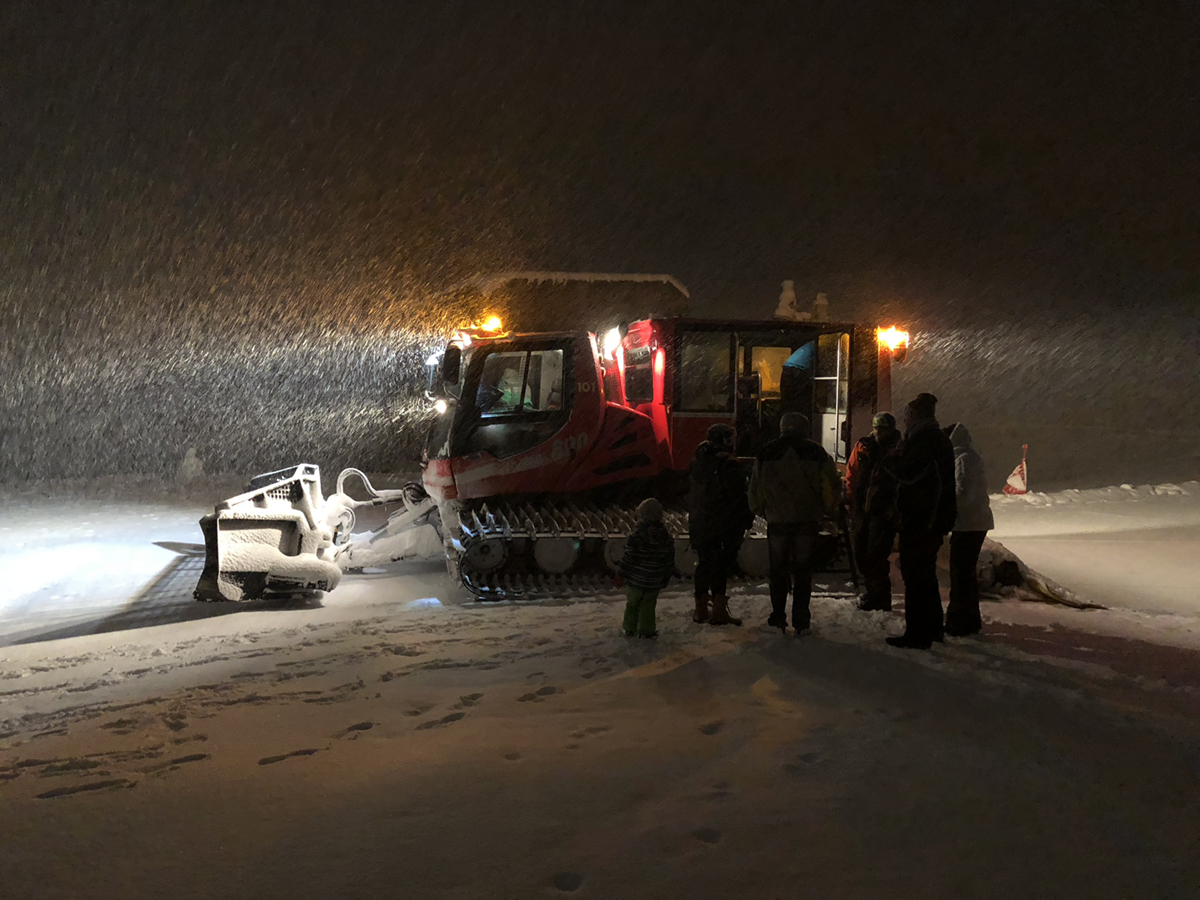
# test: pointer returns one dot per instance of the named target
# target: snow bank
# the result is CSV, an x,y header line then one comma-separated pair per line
x,y
1117,493
1122,546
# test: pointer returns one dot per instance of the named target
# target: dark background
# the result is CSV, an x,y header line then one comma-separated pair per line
x,y
222,224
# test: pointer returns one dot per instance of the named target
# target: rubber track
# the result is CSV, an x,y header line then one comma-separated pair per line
x,y
500,520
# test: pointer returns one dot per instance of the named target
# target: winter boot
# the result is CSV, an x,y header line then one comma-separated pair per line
x,y
867,603
702,613
961,624
720,612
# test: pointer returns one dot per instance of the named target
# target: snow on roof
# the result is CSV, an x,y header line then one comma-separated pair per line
x,y
493,280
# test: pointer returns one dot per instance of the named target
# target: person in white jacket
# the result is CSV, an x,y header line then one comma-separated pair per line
x,y
971,525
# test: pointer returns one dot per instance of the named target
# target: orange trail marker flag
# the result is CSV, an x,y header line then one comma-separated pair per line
x,y
1018,481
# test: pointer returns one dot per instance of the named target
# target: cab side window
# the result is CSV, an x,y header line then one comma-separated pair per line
x,y
520,402
515,383
705,362
639,378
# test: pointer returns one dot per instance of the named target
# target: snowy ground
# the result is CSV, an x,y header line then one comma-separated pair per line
x,y
1123,547
394,739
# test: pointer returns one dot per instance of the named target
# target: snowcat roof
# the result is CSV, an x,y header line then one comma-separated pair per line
x,y
756,324
493,281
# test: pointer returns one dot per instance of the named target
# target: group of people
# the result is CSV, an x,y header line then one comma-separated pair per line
x,y
916,486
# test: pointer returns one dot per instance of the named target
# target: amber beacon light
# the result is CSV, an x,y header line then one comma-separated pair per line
x,y
895,340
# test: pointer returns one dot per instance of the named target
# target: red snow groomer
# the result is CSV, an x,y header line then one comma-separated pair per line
x,y
545,443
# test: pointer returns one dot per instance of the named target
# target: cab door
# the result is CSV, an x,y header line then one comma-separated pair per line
x,y
529,408
794,368
831,395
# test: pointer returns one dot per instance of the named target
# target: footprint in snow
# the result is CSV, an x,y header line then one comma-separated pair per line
x,y
590,731
190,758
707,835
111,784
270,760
538,695
712,727
355,729
164,767
444,720
419,709
467,700
567,882
804,761
70,765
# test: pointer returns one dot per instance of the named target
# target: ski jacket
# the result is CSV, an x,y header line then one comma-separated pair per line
x,y
970,484
861,470
794,480
923,472
649,559
717,502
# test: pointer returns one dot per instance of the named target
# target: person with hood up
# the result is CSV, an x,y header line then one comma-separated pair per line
x,y
923,473
871,511
645,569
718,516
973,522
794,486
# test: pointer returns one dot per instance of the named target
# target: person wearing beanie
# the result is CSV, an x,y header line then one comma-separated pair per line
x,y
971,525
871,524
645,569
922,472
794,486
718,516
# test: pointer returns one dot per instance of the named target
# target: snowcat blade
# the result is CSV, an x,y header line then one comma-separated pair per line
x,y
269,540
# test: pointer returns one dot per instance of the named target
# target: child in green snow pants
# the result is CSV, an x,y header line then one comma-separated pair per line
x,y
639,611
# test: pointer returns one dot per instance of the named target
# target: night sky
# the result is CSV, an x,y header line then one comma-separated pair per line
x,y
1016,182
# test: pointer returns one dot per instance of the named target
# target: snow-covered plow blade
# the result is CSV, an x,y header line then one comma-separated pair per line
x,y
283,537
270,540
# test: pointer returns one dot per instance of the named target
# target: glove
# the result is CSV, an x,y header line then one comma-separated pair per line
x,y
619,580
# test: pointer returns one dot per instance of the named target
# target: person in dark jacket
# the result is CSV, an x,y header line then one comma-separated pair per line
x,y
645,569
718,516
794,486
870,511
973,522
923,472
